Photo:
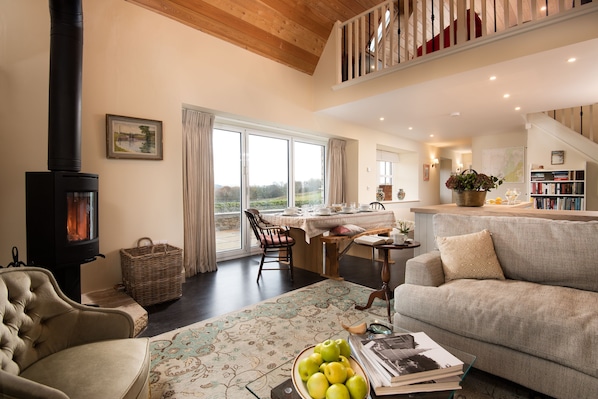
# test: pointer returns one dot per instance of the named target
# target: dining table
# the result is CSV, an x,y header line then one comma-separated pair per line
x,y
308,228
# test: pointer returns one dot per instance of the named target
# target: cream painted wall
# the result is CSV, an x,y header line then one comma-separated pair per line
x,y
138,63
505,140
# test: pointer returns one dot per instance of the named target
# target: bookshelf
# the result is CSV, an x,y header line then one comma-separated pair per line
x,y
562,189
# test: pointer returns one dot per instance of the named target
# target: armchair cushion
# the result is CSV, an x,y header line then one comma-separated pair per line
x,y
120,369
53,347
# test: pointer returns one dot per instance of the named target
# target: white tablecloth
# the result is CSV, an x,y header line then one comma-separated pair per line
x,y
314,225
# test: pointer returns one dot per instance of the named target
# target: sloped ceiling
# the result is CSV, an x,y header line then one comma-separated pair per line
x,y
292,32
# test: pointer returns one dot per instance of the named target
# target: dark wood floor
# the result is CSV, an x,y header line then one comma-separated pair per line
x,y
234,286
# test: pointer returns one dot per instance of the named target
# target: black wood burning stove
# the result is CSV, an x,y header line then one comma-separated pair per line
x,y
62,204
62,224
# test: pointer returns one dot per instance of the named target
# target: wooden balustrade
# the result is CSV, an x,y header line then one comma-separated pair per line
x,y
583,119
399,31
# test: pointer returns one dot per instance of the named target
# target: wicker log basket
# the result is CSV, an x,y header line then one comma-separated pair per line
x,y
152,273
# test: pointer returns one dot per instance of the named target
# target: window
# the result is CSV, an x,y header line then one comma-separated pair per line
x,y
262,169
384,173
398,170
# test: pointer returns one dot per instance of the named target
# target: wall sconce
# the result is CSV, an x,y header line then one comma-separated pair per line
x,y
435,162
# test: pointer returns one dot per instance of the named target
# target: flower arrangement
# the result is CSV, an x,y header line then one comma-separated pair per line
x,y
405,226
473,181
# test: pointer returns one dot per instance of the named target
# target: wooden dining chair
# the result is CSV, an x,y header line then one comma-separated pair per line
x,y
275,242
377,206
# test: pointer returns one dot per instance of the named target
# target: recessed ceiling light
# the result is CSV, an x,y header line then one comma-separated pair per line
x,y
507,95
431,135
381,118
517,108
572,59
456,113
410,128
492,77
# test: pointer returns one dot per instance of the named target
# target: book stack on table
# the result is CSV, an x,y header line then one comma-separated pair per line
x,y
403,363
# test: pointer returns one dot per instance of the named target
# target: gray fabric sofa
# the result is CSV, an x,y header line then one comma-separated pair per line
x,y
537,327
53,347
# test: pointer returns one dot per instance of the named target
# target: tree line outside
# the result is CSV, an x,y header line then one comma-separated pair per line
x,y
267,197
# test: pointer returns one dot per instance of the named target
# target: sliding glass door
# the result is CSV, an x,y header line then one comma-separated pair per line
x,y
262,170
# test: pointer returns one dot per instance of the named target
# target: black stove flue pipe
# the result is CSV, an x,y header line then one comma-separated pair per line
x,y
66,61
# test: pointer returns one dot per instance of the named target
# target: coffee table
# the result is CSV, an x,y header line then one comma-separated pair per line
x,y
277,383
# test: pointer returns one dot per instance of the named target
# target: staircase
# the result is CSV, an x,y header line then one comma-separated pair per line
x,y
583,120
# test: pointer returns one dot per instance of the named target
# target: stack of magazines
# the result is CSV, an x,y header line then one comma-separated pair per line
x,y
403,363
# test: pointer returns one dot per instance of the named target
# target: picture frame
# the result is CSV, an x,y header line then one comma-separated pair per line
x,y
557,157
133,138
426,172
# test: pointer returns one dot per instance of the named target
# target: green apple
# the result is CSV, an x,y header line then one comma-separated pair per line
x,y
358,388
350,372
307,367
344,361
317,385
344,346
330,351
337,391
335,372
318,348
316,357
323,367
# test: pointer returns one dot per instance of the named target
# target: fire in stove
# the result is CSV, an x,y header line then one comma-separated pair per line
x,y
80,224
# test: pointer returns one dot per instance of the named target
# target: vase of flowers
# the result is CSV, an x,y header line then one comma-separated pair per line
x,y
471,187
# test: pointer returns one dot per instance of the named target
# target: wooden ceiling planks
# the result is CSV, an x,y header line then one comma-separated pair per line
x,y
292,32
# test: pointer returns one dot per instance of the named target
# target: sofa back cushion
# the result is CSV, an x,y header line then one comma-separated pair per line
x,y
29,311
545,251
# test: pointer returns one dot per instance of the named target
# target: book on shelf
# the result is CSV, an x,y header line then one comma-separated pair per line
x,y
384,382
373,240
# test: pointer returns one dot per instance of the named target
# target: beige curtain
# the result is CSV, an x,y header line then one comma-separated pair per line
x,y
336,170
198,193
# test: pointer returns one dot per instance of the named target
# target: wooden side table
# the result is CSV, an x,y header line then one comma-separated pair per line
x,y
384,291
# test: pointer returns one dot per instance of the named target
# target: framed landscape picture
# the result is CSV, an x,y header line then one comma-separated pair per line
x,y
133,138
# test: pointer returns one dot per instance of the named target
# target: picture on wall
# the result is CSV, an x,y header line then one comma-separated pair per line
x,y
133,138
557,158
426,172
507,163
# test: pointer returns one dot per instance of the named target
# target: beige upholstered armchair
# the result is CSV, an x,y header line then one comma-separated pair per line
x,y
53,347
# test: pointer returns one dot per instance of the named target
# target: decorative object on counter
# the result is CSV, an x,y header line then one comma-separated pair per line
x,y
471,187
401,194
512,194
379,194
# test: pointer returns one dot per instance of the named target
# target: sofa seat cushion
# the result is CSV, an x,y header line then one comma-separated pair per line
x,y
107,369
555,323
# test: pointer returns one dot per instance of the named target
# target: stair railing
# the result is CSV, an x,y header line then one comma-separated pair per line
x,y
582,119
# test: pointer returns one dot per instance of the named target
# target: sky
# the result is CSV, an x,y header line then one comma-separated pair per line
x,y
267,162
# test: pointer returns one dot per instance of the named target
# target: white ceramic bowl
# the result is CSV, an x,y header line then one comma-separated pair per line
x,y
301,387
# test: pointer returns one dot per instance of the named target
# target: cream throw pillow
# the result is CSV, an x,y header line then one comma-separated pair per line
x,y
469,256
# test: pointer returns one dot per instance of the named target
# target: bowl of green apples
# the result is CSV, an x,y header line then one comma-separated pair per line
x,y
328,371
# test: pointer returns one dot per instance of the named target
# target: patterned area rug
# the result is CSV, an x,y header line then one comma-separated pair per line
x,y
217,358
